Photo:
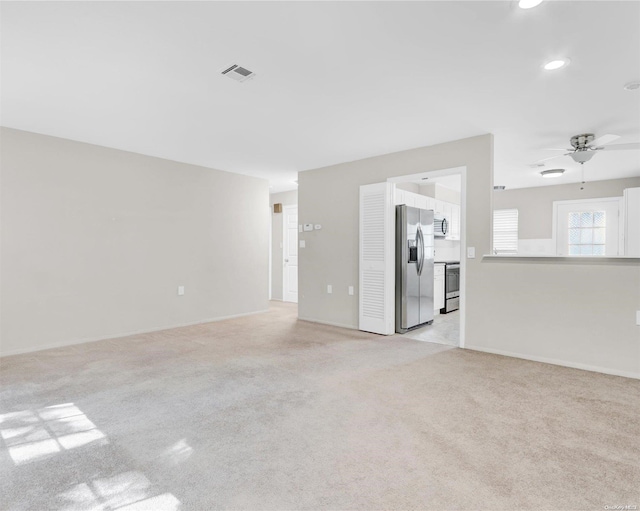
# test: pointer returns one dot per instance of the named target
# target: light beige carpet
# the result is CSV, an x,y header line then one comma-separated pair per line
x,y
268,412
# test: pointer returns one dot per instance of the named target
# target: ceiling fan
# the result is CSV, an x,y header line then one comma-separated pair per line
x,y
584,146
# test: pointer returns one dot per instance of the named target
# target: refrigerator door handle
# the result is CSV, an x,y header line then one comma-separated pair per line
x,y
420,240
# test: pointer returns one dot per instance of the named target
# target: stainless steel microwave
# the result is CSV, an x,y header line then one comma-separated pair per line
x,y
440,227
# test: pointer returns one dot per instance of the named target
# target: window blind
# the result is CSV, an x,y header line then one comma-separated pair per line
x,y
505,231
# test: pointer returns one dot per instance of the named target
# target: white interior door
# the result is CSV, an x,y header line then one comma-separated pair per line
x,y
377,258
290,254
588,227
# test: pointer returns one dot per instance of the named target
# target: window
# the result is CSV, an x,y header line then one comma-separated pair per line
x,y
588,227
587,232
505,231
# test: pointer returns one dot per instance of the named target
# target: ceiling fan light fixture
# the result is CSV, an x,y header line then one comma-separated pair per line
x,y
582,156
552,173
553,65
528,4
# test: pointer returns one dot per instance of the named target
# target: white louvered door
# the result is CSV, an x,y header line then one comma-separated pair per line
x,y
377,258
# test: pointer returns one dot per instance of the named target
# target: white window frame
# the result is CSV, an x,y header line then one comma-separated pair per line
x,y
554,233
493,235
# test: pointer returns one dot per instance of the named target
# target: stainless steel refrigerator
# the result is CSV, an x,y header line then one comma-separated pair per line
x,y
414,267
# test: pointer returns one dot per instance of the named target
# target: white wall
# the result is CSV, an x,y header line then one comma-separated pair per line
x,y
95,242
286,199
578,314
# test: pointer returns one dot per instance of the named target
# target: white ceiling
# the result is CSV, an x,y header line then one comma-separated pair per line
x,y
334,81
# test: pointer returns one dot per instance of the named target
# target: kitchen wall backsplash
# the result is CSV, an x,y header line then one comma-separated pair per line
x,y
447,250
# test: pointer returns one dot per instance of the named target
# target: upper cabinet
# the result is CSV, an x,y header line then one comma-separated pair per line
x,y
441,208
631,205
454,223
399,196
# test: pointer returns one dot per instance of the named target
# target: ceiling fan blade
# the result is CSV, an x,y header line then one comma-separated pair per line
x,y
552,157
556,149
620,147
604,140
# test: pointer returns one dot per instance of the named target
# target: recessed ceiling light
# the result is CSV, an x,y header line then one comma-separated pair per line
x,y
552,173
528,4
557,64
635,85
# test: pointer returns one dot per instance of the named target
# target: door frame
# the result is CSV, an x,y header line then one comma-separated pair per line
x,y
285,241
462,172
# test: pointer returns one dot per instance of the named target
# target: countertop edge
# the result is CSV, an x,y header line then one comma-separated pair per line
x,y
563,259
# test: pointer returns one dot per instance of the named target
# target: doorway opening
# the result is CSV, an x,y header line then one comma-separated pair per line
x,y
283,253
444,191
290,254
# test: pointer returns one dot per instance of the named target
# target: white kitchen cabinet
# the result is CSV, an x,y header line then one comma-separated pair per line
x,y
454,222
438,287
631,207
430,202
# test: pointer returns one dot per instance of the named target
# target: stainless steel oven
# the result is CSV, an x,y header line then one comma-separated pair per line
x,y
451,287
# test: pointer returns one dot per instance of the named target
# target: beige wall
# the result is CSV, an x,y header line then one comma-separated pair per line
x,y
286,199
571,313
329,196
580,314
409,187
441,193
535,205
95,242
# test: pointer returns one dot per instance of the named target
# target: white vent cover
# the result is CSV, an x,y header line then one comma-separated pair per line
x,y
238,73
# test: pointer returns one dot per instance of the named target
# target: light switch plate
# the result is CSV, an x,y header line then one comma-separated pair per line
x,y
351,290
302,244
329,288
471,252
638,318
180,290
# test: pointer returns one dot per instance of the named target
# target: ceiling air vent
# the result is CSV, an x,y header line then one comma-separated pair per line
x,y
238,73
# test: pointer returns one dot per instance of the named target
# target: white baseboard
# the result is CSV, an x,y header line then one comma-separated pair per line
x,y
125,334
330,323
557,362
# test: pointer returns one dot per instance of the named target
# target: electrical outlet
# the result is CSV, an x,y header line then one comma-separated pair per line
x,y
180,290
351,290
329,288
303,244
